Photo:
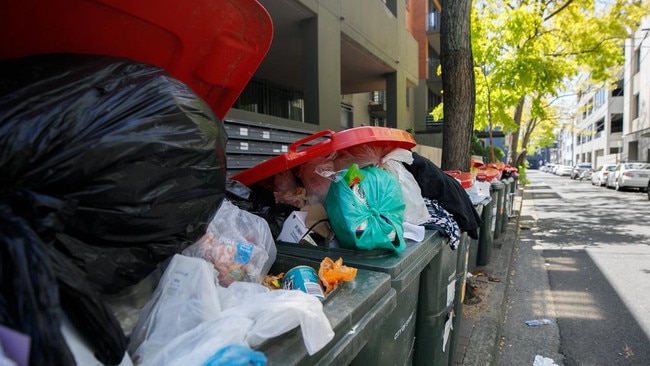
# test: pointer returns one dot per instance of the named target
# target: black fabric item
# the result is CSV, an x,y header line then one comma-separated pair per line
x,y
29,300
111,165
260,202
450,194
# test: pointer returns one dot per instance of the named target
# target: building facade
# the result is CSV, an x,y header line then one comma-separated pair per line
x,y
636,105
336,64
612,125
597,133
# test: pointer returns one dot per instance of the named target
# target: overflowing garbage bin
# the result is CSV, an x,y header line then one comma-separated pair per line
x,y
438,295
474,244
499,207
507,204
394,342
462,265
356,312
486,233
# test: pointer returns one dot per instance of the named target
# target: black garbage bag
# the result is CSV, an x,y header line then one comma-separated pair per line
x,y
115,166
450,194
260,202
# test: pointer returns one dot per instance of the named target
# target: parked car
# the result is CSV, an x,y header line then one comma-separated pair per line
x,y
586,174
600,175
578,169
548,168
629,175
564,170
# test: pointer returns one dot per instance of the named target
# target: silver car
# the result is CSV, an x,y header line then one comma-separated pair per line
x,y
600,175
629,175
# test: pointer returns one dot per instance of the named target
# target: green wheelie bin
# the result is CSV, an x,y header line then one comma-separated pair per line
x,y
498,209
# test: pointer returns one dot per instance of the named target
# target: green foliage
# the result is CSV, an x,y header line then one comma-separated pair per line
x,y
529,50
477,148
523,180
436,113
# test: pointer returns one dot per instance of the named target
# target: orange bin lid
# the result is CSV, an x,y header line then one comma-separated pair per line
x,y
300,152
487,174
214,46
466,178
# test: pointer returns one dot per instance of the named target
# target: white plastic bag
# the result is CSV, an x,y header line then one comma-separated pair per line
x,y
239,245
197,345
185,298
276,312
478,192
415,212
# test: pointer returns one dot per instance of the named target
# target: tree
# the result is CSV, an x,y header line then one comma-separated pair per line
x,y
458,84
525,51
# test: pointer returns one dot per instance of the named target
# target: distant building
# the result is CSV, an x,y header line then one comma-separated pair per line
x,y
598,127
636,105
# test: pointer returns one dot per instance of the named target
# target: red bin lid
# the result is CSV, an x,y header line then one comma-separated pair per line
x,y
214,46
299,152
466,178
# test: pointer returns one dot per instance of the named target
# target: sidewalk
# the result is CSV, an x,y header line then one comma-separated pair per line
x,y
481,328
512,287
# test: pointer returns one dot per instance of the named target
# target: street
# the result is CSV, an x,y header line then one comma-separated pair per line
x,y
583,261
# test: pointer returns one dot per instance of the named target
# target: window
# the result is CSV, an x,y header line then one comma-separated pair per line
x,y
433,18
377,97
635,107
636,66
346,116
264,98
599,99
617,125
618,92
600,127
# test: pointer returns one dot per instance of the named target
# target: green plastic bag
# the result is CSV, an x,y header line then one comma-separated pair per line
x,y
373,224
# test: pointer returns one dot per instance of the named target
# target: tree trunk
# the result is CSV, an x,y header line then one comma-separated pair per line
x,y
514,141
458,84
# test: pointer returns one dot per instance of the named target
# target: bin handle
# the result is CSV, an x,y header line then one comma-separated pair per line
x,y
294,147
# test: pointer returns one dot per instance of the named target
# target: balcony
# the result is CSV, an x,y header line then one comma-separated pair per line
x,y
377,109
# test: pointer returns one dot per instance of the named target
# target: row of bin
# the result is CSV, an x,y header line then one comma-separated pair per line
x,y
402,309
495,211
399,310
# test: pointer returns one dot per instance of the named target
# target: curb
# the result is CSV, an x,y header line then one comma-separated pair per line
x,y
483,345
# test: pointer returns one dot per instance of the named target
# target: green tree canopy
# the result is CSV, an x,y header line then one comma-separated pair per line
x,y
526,52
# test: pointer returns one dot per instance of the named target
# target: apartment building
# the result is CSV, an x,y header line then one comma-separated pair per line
x,y
613,125
636,101
597,133
336,64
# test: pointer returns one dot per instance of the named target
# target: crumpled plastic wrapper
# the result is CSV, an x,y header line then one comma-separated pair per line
x,y
331,273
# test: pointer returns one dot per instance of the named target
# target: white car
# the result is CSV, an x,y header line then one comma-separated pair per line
x,y
563,170
629,175
600,175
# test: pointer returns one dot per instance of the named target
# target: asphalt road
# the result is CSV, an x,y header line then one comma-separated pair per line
x,y
583,261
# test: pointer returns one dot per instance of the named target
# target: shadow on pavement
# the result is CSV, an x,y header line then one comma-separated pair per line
x,y
596,327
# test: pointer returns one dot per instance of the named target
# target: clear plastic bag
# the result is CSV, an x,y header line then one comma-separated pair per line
x,y
185,298
276,312
415,211
190,317
239,245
